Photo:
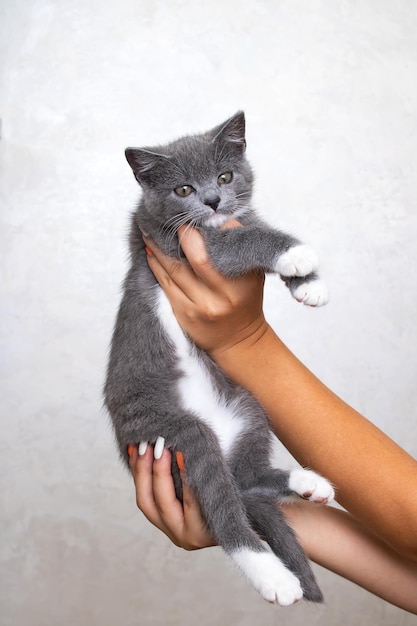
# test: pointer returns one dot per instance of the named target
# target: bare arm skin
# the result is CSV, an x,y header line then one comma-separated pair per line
x,y
375,479
354,552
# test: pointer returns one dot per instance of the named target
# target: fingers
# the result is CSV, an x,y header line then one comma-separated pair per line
x,y
173,273
193,246
167,503
156,497
231,224
177,279
195,534
154,484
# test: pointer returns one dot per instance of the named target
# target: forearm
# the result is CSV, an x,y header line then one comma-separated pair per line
x,y
338,542
372,475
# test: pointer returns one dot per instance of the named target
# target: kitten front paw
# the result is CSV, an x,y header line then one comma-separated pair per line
x,y
311,486
313,293
299,260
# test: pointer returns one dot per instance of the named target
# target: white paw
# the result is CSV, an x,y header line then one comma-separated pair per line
x,y
269,576
314,293
299,260
311,486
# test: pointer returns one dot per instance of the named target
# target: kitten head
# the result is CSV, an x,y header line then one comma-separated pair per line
x,y
202,180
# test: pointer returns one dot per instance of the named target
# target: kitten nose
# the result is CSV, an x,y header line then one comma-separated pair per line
x,y
212,201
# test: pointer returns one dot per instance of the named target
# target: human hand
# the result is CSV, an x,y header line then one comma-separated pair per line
x,y
156,498
216,312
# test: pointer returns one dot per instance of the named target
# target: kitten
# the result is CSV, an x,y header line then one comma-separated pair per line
x,y
163,390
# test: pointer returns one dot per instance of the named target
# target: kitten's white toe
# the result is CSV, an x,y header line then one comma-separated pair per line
x,y
159,448
299,260
314,293
269,576
311,486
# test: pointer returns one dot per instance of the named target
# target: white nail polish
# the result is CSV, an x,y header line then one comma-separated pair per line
x,y
142,447
159,448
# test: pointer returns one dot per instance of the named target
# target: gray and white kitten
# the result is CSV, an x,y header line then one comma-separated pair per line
x,y
163,390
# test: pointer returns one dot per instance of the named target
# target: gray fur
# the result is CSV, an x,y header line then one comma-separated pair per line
x,y
237,493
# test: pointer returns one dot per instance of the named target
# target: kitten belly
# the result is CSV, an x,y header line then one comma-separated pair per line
x,y
195,387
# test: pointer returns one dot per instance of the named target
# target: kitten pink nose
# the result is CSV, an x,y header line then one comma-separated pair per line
x,y
212,201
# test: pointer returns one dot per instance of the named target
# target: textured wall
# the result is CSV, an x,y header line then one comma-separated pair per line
x,y
330,95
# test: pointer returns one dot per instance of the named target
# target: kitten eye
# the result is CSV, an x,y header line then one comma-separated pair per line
x,y
225,178
184,190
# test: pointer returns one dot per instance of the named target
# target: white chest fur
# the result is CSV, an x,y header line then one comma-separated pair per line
x,y
196,389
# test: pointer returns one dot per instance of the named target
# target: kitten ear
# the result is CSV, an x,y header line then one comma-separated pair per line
x,y
232,131
143,161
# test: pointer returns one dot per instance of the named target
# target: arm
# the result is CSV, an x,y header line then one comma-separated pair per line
x,y
350,550
375,479
354,552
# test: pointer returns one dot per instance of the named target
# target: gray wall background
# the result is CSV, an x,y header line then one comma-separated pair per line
x,y
330,93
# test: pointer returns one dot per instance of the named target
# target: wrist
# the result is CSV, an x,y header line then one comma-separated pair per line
x,y
246,351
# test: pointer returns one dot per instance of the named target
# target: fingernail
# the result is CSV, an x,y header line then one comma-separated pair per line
x,y
180,461
159,448
130,449
148,251
142,447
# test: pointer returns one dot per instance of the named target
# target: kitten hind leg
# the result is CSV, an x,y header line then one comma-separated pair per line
x,y
274,581
227,520
268,521
311,486
279,485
